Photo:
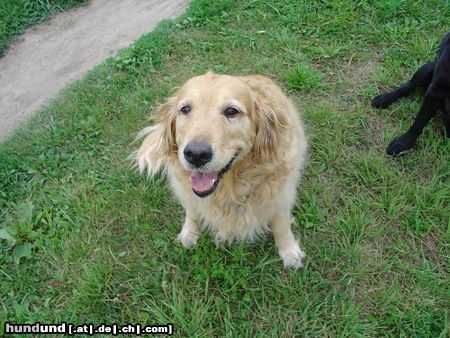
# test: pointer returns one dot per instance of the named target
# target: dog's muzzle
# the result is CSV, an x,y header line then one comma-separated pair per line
x,y
205,183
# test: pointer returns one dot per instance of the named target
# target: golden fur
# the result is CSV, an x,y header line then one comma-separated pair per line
x,y
258,192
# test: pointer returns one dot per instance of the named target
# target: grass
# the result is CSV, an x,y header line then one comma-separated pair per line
x,y
17,15
301,77
85,239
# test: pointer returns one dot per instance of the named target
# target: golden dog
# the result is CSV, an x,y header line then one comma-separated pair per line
x,y
233,149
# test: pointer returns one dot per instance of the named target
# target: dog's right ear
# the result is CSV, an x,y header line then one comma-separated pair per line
x,y
159,143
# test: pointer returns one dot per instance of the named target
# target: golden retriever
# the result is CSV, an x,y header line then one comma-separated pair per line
x,y
233,149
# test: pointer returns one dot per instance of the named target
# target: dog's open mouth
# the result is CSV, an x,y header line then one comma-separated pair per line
x,y
205,183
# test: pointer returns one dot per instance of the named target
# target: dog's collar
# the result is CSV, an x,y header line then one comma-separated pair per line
x,y
228,166
240,207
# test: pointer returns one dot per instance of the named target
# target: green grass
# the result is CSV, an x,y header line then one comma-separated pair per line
x,y
88,240
17,15
302,77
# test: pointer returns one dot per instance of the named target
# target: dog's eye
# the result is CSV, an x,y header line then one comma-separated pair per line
x,y
230,112
185,109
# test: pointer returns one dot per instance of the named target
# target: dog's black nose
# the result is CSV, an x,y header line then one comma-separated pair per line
x,y
198,153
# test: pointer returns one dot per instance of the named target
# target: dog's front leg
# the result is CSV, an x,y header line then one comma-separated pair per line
x,y
407,140
189,232
421,78
446,116
288,247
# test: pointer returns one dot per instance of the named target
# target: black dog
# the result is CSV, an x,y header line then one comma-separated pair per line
x,y
434,78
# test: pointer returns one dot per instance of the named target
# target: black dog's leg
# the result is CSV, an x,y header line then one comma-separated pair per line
x,y
421,78
407,140
446,116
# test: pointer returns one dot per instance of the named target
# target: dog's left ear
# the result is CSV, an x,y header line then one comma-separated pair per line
x,y
159,143
269,126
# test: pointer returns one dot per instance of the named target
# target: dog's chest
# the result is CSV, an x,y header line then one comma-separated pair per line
x,y
240,209
240,217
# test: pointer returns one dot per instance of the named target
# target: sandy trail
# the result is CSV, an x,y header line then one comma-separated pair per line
x,y
50,55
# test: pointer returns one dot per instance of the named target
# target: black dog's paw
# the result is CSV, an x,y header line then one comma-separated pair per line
x,y
383,100
400,145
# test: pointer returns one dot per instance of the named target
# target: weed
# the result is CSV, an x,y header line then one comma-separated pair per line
x,y
302,77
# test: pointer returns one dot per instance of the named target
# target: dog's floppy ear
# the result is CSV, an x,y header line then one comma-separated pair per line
x,y
159,143
269,124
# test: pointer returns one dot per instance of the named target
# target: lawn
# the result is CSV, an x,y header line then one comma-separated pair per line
x,y
17,15
85,239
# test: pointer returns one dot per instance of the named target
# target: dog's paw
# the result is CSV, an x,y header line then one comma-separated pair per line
x,y
187,238
400,145
383,100
292,257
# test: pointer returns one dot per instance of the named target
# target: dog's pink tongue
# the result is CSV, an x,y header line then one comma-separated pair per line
x,y
201,181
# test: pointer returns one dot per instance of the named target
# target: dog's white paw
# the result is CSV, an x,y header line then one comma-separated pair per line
x,y
187,238
292,256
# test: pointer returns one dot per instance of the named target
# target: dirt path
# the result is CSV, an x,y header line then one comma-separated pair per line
x,y
50,55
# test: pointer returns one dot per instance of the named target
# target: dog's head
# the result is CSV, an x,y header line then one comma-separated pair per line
x,y
211,123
